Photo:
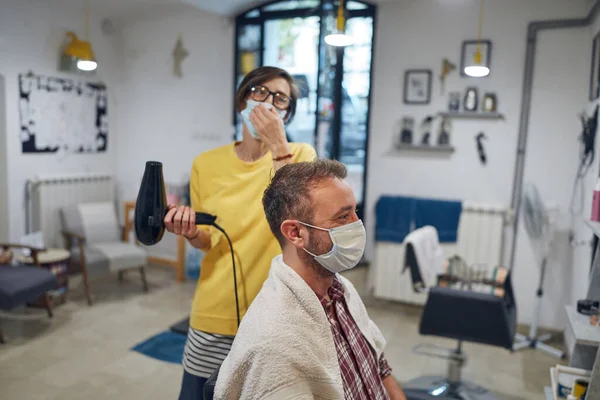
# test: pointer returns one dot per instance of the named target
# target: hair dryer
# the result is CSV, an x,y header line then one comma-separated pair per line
x,y
151,208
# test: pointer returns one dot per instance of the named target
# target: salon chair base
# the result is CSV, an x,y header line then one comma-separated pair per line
x,y
438,387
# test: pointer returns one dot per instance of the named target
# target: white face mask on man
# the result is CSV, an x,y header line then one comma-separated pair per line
x,y
348,247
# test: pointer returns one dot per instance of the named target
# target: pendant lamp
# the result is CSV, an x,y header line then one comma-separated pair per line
x,y
476,69
81,50
339,38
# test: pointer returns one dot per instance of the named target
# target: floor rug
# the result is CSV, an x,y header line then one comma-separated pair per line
x,y
166,346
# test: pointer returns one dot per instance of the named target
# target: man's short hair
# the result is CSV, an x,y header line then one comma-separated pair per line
x,y
288,194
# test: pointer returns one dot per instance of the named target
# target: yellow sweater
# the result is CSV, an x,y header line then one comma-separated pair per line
x,y
223,185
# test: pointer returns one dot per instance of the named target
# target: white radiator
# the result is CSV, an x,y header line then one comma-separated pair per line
x,y
480,241
47,194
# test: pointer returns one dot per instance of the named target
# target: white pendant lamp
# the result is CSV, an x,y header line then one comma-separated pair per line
x,y
81,50
339,38
476,69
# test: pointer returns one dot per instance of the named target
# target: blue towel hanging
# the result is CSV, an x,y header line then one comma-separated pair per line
x,y
397,216
443,214
394,217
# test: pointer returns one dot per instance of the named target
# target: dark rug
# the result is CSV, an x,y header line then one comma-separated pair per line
x,y
166,346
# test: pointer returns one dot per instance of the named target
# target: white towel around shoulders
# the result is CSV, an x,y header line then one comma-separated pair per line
x,y
284,347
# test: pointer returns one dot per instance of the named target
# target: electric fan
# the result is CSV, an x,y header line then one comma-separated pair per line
x,y
538,225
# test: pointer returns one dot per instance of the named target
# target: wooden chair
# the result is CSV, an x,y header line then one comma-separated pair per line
x,y
92,234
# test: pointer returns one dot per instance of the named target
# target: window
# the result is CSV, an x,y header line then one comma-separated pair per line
x,y
289,34
292,5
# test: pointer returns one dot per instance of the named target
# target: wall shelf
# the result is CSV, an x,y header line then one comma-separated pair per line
x,y
422,149
472,115
580,326
594,226
585,352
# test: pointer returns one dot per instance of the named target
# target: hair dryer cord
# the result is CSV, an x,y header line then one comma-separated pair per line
x,y
237,304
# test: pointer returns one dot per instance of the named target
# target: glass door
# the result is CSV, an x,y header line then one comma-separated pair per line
x,y
290,34
356,89
249,52
292,44
345,84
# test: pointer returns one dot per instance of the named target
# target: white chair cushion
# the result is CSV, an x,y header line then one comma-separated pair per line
x,y
100,223
121,255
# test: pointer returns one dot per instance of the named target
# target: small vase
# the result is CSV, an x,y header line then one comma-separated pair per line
x,y
471,99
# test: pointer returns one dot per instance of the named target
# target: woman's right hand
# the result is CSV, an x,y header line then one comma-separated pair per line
x,y
181,221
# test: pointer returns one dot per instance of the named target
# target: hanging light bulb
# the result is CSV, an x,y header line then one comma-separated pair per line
x,y
339,38
477,69
81,50
87,65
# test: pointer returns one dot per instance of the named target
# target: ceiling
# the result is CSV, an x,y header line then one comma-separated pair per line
x,y
123,8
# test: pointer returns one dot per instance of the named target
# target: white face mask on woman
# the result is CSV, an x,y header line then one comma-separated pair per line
x,y
250,104
348,247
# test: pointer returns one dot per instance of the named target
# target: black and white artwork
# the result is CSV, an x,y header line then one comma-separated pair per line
x,y
62,115
417,86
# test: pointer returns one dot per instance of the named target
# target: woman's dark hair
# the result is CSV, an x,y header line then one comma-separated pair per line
x,y
260,76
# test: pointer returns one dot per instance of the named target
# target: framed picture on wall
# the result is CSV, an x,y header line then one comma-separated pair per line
x,y
417,86
595,71
468,53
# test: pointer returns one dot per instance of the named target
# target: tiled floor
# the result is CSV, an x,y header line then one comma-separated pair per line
x,y
83,352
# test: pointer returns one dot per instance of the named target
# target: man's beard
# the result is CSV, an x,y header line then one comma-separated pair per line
x,y
317,247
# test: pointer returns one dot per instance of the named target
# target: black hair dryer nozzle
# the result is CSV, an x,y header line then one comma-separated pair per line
x,y
151,207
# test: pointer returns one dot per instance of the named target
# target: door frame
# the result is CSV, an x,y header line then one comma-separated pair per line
x,y
242,20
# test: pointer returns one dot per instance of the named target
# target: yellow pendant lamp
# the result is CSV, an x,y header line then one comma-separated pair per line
x,y
477,69
81,50
339,38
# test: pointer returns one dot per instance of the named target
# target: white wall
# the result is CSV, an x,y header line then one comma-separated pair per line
x,y
559,90
418,34
3,168
172,119
580,280
31,34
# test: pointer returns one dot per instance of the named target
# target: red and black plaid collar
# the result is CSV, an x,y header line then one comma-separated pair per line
x,y
335,292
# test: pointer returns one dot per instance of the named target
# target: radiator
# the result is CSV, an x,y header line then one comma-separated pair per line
x,y
47,194
480,241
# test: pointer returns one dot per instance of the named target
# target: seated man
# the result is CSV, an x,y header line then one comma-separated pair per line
x,y
307,334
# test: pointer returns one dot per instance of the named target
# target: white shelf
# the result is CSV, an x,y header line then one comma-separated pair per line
x,y
471,115
423,148
580,326
594,226
548,393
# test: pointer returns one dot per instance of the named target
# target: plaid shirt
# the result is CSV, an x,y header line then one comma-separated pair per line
x,y
362,375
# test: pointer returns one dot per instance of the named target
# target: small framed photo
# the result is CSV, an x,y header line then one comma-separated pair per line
x,y
468,53
595,71
417,86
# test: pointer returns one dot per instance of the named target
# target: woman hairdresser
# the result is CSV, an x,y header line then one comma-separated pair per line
x,y
229,182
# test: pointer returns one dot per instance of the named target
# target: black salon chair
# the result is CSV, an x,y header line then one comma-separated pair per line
x,y
466,316
209,387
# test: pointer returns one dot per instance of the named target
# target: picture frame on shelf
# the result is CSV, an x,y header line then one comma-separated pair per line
x,y
468,53
595,70
417,86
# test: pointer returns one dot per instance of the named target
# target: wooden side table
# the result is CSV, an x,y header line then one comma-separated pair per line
x,y
55,260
